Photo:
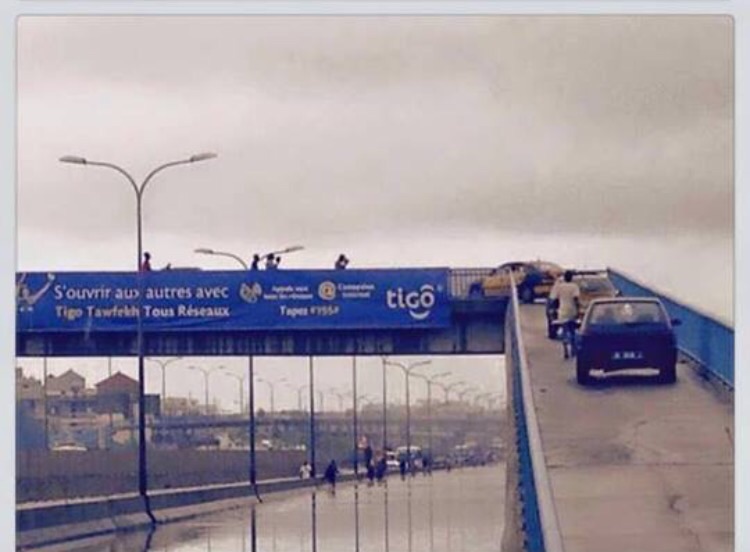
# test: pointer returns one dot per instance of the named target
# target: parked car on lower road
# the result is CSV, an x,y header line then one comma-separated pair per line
x,y
626,332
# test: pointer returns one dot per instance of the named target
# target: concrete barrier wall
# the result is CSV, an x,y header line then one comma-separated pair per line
x,y
708,341
40,524
54,475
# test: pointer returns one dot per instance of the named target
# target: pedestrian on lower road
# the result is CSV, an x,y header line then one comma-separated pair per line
x,y
330,474
368,455
426,466
305,470
402,468
380,469
370,474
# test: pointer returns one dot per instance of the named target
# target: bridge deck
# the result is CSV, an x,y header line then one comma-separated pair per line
x,y
633,465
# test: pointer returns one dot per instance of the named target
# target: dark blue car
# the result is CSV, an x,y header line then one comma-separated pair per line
x,y
623,333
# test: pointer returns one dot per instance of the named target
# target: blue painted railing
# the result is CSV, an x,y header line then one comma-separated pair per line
x,y
539,526
700,336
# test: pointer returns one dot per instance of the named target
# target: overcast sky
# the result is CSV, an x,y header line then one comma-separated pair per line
x,y
402,141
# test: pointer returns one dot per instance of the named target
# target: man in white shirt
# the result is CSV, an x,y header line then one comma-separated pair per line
x,y
567,295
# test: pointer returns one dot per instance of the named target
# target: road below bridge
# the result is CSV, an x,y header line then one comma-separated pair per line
x,y
633,465
458,511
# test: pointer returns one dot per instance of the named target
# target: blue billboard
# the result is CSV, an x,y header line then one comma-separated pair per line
x,y
195,300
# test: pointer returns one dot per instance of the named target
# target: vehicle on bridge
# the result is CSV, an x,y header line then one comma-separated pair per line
x,y
534,279
593,284
626,332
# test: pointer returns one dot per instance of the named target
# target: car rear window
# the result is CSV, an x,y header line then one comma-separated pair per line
x,y
595,285
636,312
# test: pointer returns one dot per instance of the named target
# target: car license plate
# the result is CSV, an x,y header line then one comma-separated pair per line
x,y
627,355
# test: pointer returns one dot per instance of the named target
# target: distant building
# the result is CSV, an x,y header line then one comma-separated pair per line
x,y
29,394
69,383
76,415
118,383
118,394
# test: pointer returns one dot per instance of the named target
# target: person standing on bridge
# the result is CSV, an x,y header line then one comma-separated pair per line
x,y
341,262
256,261
272,261
146,264
567,295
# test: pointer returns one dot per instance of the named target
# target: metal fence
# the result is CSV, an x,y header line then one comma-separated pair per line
x,y
78,437
703,338
462,280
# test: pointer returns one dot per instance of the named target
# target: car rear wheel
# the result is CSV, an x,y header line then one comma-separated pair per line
x,y
582,372
668,374
527,294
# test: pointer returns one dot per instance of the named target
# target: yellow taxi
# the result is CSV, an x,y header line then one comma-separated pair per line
x,y
534,279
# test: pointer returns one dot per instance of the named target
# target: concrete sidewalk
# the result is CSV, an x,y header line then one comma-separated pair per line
x,y
634,465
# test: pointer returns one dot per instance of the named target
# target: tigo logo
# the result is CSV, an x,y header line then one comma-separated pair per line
x,y
418,303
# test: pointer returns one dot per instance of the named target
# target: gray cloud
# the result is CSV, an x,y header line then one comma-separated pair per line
x,y
337,129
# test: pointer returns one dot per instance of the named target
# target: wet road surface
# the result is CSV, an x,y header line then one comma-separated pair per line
x,y
460,511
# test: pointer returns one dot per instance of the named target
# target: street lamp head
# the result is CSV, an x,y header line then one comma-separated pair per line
x,y
292,249
73,159
204,251
202,157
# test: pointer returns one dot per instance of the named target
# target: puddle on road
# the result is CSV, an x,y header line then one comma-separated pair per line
x,y
459,511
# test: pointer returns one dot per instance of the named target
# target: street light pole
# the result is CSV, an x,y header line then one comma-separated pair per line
x,y
209,251
240,381
407,369
250,377
354,418
462,393
312,419
385,407
339,396
298,389
46,407
76,160
251,412
271,390
206,374
163,365
447,388
430,381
